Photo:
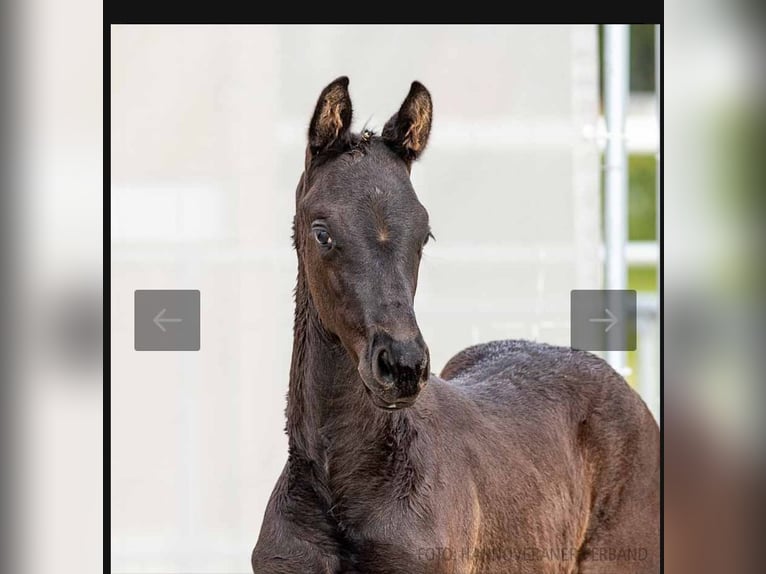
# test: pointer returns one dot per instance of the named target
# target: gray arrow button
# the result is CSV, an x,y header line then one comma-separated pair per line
x,y
167,320
603,319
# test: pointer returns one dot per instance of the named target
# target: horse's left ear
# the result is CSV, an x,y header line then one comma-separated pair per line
x,y
408,129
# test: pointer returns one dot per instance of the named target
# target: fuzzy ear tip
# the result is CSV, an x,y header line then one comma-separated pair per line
x,y
341,80
418,87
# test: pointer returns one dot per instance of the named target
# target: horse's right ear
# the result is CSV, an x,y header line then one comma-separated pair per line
x,y
332,116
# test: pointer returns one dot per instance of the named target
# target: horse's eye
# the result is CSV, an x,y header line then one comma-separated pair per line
x,y
322,237
429,236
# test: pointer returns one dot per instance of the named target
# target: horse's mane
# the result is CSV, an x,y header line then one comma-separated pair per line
x,y
360,142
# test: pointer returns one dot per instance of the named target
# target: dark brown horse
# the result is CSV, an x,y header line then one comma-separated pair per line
x,y
521,457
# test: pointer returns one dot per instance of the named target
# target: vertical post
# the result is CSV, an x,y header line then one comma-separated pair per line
x,y
616,74
658,156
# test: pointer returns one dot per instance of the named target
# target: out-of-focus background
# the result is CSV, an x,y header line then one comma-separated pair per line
x,y
208,128
714,286
51,287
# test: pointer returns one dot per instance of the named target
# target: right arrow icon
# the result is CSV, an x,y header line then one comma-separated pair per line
x,y
612,320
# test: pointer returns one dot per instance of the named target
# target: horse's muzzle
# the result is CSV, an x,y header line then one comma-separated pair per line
x,y
399,370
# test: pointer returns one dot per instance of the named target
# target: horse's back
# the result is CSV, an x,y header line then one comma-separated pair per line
x,y
520,357
513,368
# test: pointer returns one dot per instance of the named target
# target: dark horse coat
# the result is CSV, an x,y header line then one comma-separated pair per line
x,y
520,457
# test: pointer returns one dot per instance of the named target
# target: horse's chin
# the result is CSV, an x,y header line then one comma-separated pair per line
x,y
378,398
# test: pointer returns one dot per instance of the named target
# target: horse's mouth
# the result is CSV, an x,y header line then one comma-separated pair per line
x,y
385,405
380,400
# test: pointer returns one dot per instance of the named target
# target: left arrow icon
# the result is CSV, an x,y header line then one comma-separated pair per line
x,y
160,318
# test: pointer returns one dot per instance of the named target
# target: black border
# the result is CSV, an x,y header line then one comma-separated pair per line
x,y
661,285
228,12
107,293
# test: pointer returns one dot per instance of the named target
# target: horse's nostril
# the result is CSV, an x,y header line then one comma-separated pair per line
x,y
385,368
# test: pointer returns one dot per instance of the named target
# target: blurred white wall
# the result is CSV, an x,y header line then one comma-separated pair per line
x,y
208,133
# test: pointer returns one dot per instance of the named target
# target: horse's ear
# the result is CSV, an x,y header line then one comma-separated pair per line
x,y
408,129
332,116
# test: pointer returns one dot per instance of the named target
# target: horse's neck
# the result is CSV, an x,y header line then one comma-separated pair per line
x,y
325,391
328,412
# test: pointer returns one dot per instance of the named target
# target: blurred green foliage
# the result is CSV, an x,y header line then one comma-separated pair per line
x,y
737,184
642,203
642,215
641,58
642,278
